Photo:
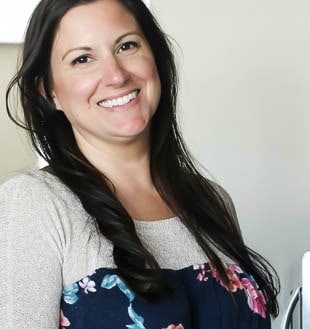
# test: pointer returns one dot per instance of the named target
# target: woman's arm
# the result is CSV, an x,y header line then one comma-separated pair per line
x,y
31,247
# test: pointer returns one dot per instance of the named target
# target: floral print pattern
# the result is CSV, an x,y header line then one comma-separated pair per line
x,y
234,281
132,311
69,293
255,298
87,285
202,275
109,282
173,326
63,321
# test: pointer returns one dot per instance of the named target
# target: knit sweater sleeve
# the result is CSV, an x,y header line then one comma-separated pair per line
x,y
32,240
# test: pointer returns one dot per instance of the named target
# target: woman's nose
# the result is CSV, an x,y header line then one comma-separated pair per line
x,y
114,72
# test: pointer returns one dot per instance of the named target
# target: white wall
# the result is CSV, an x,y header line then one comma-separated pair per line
x,y
13,19
15,153
245,98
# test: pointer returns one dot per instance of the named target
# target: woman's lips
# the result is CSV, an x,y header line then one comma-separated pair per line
x,y
119,101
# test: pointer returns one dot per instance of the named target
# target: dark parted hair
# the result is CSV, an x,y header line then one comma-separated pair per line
x,y
195,200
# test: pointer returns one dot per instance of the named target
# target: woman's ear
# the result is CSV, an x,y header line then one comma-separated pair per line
x,y
40,86
41,89
55,100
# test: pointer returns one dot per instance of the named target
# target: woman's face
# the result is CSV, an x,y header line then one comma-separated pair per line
x,y
104,75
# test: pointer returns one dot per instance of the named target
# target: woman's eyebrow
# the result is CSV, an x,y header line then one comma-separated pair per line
x,y
126,34
84,48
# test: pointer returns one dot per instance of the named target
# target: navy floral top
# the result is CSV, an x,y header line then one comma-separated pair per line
x,y
200,300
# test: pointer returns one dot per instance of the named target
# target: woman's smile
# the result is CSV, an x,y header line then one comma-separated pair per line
x,y
120,101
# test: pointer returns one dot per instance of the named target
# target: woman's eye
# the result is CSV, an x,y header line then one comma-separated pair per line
x,y
81,60
128,45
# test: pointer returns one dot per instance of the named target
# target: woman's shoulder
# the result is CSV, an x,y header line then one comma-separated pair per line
x,y
227,201
211,188
35,182
34,190
37,178
221,192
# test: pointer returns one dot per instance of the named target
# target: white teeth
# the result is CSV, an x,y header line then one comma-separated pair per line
x,y
120,100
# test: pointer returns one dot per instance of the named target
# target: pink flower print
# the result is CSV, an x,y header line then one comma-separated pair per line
x,y
214,272
63,321
173,326
234,281
235,268
256,298
202,276
87,285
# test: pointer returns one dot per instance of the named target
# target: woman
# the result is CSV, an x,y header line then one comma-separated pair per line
x,y
120,230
